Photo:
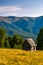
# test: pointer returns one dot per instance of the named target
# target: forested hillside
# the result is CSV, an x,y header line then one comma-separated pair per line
x,y
24,26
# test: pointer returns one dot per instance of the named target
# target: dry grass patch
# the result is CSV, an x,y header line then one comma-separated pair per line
x,y
20,57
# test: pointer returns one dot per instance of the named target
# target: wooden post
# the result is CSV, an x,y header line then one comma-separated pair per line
x,y
35,48
31,48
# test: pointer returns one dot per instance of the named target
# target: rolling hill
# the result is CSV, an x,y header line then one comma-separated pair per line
x,y
24,26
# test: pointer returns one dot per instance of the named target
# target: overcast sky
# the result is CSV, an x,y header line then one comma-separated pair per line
x,y
21,8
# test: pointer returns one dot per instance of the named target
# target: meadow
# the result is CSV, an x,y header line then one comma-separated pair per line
x,y
20,57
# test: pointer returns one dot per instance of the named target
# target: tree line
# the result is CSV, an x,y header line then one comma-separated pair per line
x,y
16,41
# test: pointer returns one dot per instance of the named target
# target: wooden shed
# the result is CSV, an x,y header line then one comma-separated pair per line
x,y
29,44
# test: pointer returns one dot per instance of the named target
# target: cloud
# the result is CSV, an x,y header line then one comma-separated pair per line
x,y
33,12
17,11
11,14
10,10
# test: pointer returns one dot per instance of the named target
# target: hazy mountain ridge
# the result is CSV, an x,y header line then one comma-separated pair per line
x,y
24,26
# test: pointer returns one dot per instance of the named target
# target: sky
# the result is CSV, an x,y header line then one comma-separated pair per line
x,y
33,8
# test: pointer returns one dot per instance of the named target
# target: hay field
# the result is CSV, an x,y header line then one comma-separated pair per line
x,y
20,57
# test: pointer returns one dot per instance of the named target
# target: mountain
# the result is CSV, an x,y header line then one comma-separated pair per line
x,y
24,26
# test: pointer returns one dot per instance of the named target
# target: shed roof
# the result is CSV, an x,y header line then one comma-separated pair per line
x,y
31,42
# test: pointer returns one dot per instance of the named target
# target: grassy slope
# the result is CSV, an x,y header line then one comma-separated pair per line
x,y
20,57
